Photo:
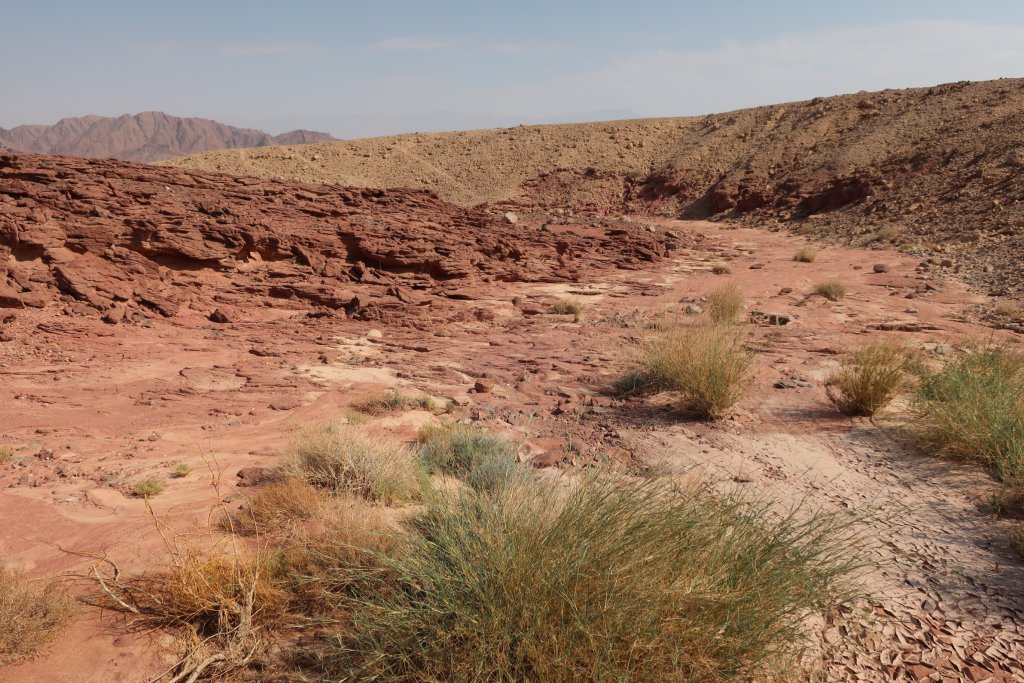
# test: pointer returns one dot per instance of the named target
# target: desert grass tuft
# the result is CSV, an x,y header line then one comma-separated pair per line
x,y
182,469
707,365
1008,309
973,408
869,378
805,254
569,306
31,614
148,488
384,402
278,506
620,580
833,290
481,459
342,458
6,453
724,304
721,269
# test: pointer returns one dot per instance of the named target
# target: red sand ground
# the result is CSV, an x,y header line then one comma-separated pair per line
x,y
91,407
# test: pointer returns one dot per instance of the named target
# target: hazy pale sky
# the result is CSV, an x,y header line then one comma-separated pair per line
x,y
374,67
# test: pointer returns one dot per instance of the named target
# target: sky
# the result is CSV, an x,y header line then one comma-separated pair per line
x,y
356,69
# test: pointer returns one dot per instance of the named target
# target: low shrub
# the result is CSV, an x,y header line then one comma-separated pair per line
x,y
609,581
182,469
868,378
833,290
721,269
483,460
342,458
148,488
31,615
225,604
6,453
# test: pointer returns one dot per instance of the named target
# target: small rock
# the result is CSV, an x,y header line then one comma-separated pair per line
x,y
114,315
757,266
285,404
484,386
548,458
910,309
693,309
511,218
786,290
219,316
374,334
253,476
881,268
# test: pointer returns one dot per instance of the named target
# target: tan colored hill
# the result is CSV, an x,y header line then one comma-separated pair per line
x,y
149,136
939,169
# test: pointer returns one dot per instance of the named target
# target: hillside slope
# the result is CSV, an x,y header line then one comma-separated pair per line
x,y
937,169
149,136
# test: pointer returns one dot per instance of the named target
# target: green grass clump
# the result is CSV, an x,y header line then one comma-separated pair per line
x,y
833,290
148,488
805,254
707,365
607,581
483,460
868,379
973,408
724,304
569,306
182,469
342,458
31,615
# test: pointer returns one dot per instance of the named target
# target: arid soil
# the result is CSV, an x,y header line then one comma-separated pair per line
x,y
935,171
117,366
149,136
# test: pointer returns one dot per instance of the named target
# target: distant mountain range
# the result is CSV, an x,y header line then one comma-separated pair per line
x,y
149,136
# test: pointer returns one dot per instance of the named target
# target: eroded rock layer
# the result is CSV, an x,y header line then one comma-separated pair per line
x,y
116,237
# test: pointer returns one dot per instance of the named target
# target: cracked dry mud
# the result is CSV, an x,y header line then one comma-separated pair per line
x,y
91,407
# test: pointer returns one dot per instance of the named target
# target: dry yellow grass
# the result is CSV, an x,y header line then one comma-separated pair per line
x,y
724,304
31,614
569,306
869,378
707,365
805,254
344,458
833,290
389,401
278,506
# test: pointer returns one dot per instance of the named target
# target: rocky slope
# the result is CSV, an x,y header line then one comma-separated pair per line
x,y
148,136
119,239
938,171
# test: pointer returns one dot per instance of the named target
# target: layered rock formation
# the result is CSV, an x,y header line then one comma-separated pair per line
x,y
112,237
